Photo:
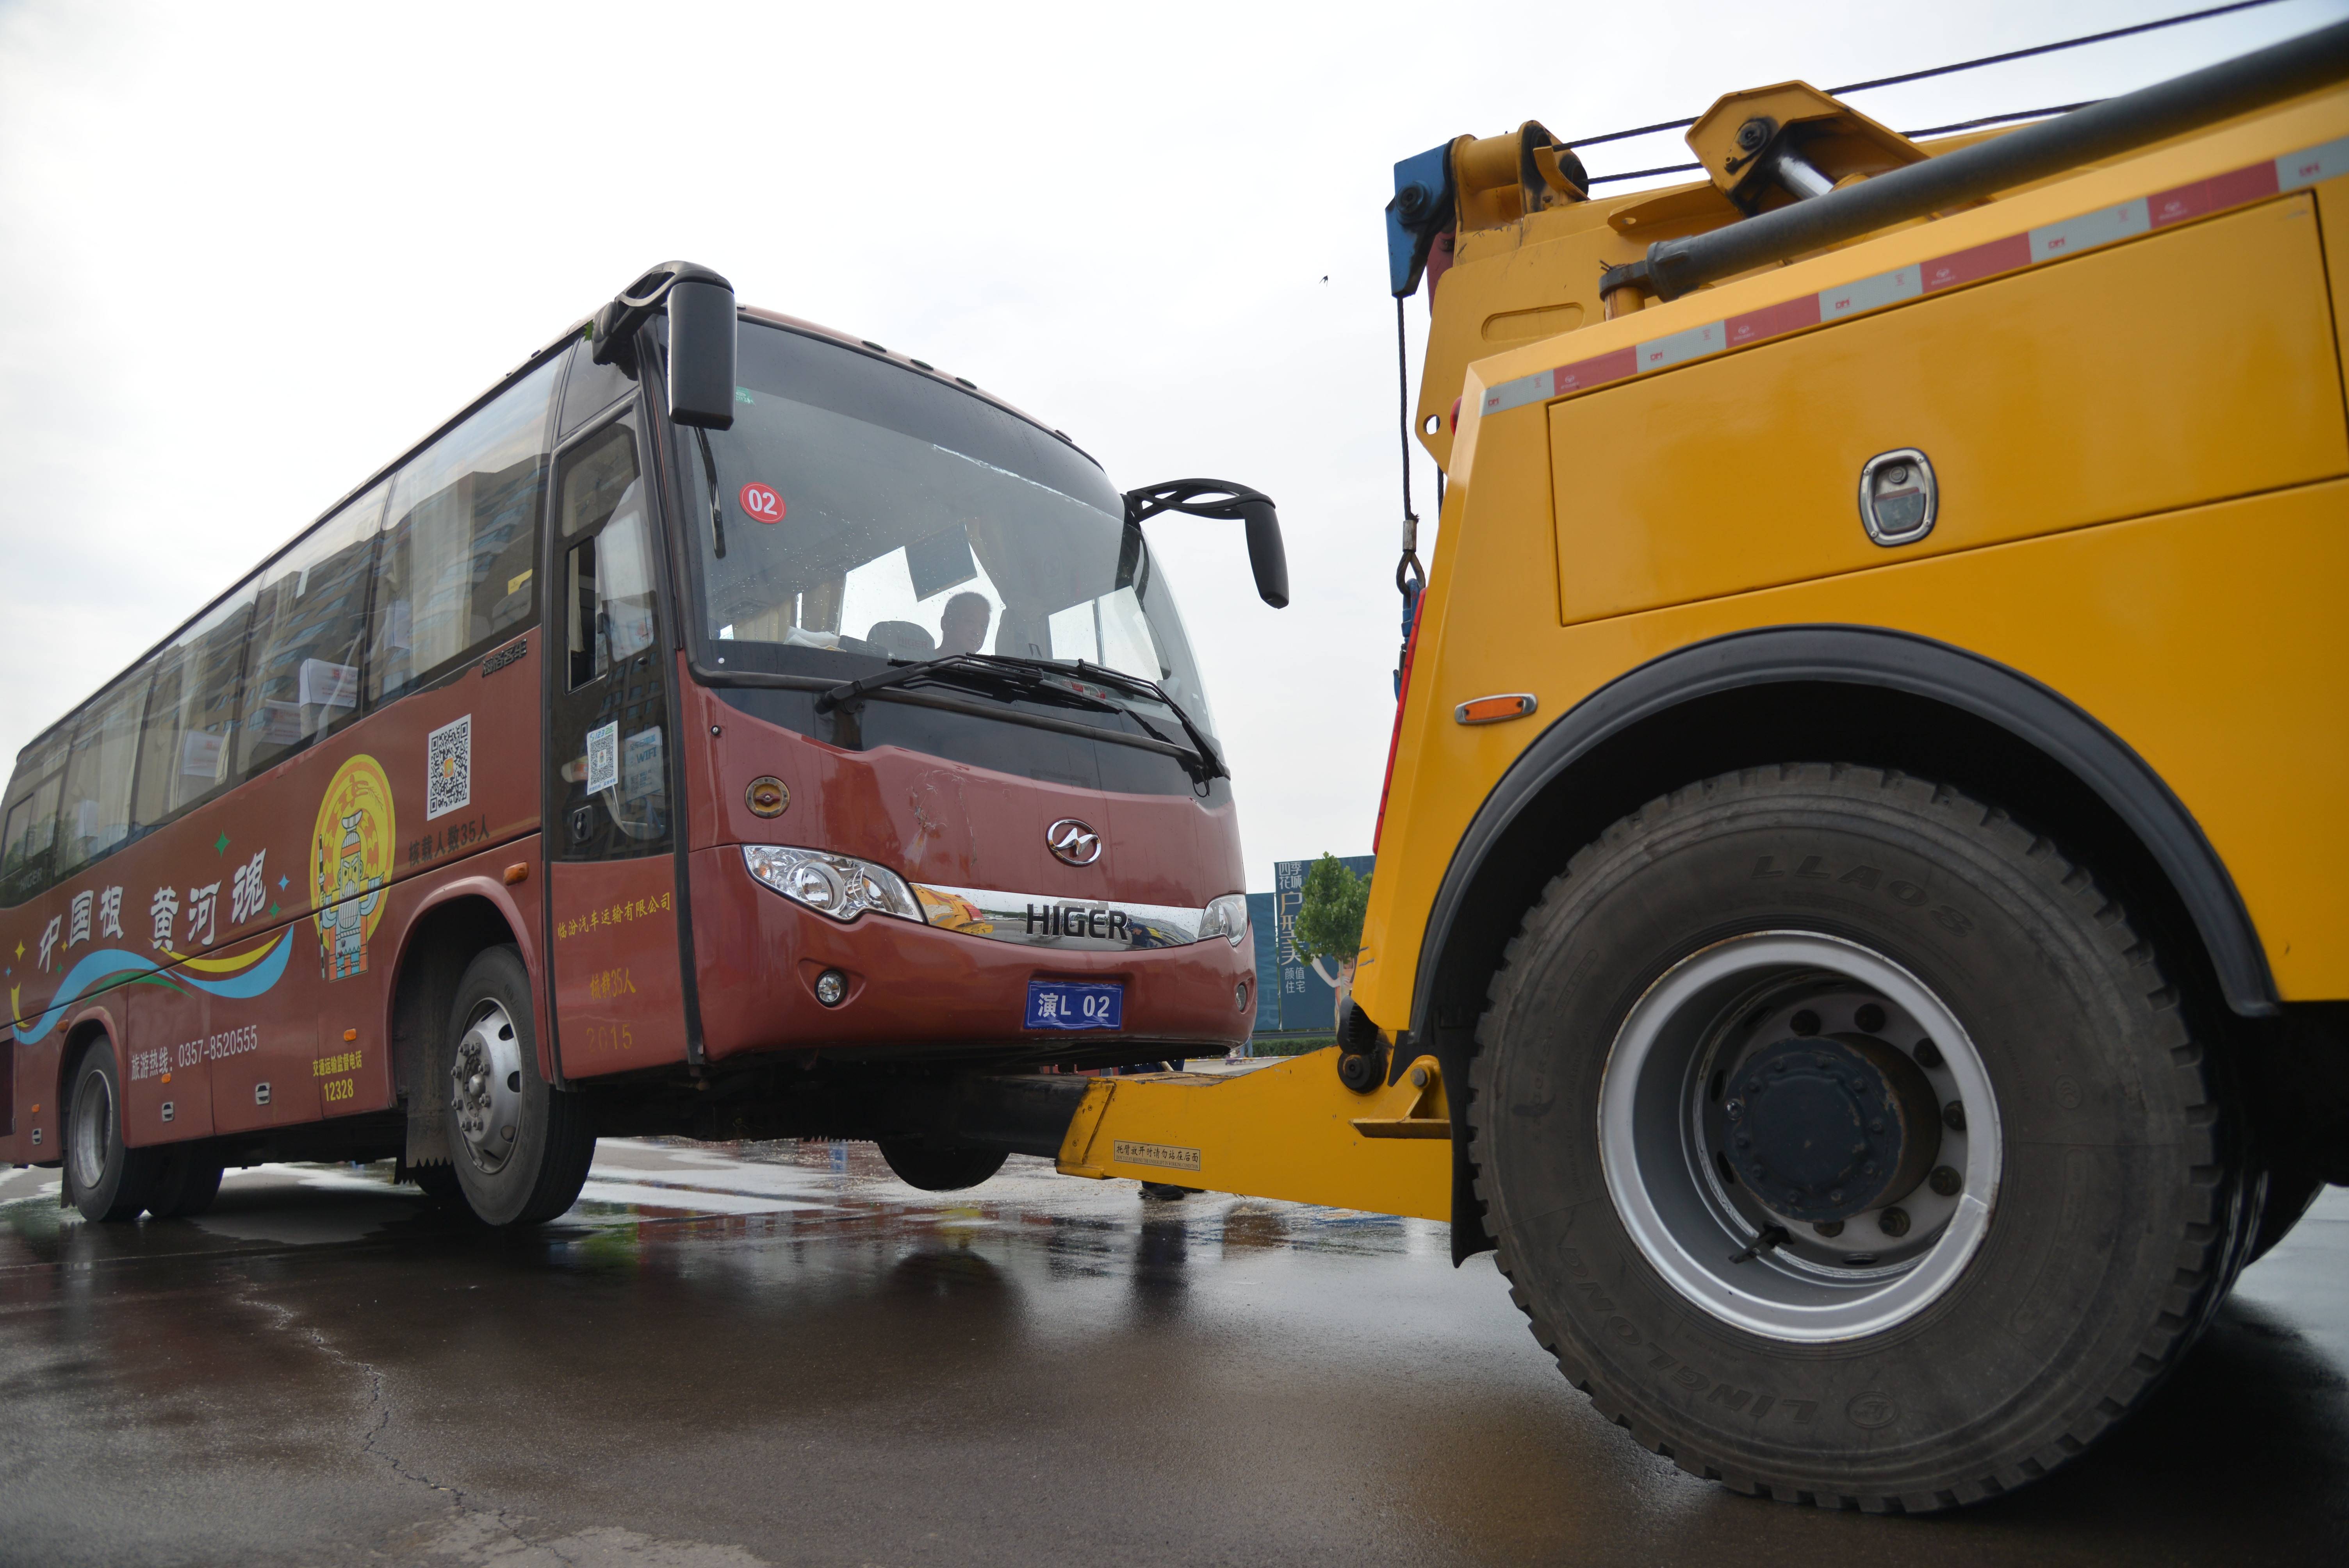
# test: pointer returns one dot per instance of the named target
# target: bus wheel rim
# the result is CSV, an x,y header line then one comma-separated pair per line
x,y
1764,1252
485,1078
93,1131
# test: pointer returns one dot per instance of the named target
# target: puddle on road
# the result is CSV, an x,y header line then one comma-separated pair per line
x,y
648,1197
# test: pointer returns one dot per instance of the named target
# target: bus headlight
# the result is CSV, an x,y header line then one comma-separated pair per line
x,y
1227,917
841,886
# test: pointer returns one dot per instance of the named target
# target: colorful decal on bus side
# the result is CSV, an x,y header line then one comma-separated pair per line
x,y
235,976
350,861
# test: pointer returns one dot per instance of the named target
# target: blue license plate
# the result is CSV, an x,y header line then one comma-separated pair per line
x,y
1075,1005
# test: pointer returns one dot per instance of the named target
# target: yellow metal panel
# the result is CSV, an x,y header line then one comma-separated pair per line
x,y
2210,640
1285,1130
2162,373
1559,252
2229,674
2332,217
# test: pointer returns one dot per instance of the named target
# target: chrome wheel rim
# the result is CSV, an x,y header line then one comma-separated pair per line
x,y
485,1081
93,1131
1668,1115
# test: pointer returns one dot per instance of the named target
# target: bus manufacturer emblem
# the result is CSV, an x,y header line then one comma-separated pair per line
x,y
1073,842
766,795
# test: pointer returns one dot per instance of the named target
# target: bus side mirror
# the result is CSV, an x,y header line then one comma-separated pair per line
x,y
702,355
1268,557
700,307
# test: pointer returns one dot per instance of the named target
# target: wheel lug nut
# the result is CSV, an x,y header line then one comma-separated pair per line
x,y
1893,1221
1829,1227
1953,1116
1734,1109
1945,1180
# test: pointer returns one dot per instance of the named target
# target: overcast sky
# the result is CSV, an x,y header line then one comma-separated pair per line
x,y
250,252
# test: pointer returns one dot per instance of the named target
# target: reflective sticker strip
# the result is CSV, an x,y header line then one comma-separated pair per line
x,y
2232,188
1682,346
1870,293
2009,254
2088,230
1587,373
2235,188
1524,389
1771,320
2296,170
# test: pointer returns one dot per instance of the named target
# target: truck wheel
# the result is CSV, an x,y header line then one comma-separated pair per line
x,y
1844,1143
187,1185
104,1178
940,1167
521,1148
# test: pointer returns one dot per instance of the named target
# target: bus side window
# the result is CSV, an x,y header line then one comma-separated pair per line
x,y
609,723
454,572
183,746
303,678
608,573
95,815
28,817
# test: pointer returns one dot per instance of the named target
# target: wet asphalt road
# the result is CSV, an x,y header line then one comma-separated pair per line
x,y
778,1354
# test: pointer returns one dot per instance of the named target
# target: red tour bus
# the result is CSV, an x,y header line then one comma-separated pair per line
x,y
723,728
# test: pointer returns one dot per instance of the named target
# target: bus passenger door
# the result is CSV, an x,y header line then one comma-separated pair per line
x,y
620,994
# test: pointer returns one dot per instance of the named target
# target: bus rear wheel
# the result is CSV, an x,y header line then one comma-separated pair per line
x,y
104,1178
520,1147
1847,1145
187,1184
940,1167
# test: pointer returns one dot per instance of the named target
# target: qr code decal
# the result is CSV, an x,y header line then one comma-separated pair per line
x,y
448,769
604,757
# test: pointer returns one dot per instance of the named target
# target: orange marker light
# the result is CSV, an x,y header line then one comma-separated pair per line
x,y
350,1034
517,872
1494,709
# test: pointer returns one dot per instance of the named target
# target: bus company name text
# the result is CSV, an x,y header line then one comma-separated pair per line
x,y
620,913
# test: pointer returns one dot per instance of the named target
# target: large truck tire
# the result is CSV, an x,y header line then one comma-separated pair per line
x,y
520,1147
104,1178
1844,1143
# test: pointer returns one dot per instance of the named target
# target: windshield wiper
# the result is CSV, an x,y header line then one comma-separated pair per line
x,y
1141,687
945,665
1034,678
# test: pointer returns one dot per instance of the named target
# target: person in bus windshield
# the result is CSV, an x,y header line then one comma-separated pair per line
x,y
962,627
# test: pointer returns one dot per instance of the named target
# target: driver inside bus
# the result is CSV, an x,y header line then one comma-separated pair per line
x,y
962,627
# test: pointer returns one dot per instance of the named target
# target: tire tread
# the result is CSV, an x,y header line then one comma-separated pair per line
x,y
2213,1244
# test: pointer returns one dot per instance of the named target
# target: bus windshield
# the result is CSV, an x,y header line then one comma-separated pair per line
x,y
865,514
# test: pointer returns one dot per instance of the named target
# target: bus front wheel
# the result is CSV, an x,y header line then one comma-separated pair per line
x,y
104,1178
520,1147
1847,1145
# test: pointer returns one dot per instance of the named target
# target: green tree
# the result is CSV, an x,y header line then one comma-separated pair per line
x,y
1329,920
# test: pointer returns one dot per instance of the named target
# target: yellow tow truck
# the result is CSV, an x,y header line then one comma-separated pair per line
x,y
1862,917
